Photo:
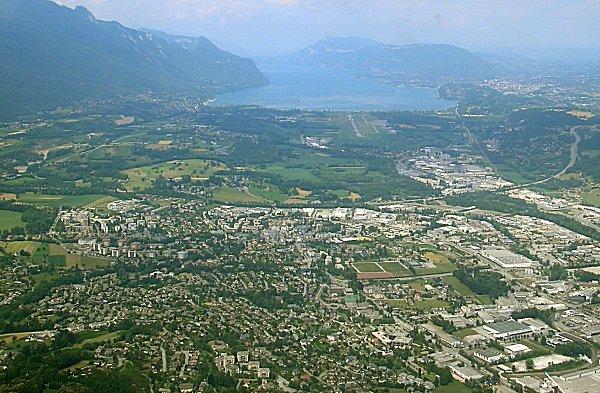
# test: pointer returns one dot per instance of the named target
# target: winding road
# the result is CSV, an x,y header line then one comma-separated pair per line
x,y
571,164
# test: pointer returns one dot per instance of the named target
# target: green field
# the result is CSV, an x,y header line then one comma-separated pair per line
x,y
15,247
398,270
453,387
268,192
440,268
395,268
59,200
458,286
463,290
420,305
367,267
592,197
142,177
97,337
293,173
234,195
9,219
56,255
59,256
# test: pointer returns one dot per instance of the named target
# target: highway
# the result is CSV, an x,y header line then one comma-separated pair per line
x,y
571,164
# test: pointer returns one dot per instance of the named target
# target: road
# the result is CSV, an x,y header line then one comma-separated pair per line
x,y
356,129
38,333
571,164
97,148
164,359
472,138
574,153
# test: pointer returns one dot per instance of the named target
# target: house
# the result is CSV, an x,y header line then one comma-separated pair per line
x,y
508,330
243,357
489,355
465,373
186,388
516,350
264,373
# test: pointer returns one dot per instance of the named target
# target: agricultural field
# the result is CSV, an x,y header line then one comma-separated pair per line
x,y
236,195
141,178
440,268
463,290
418,305
398,270
59,256
592,197
367,267
10,219
53,254
16,247
73,201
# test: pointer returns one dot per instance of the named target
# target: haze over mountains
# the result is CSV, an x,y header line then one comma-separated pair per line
x,y
432,62
52,55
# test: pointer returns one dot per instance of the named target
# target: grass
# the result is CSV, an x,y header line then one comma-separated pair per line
x,y
9,220
592,197
15,247
101,203
453,387
395,268
367,267
440,268
435,257
465,332
57,255
268,192
235,195
463,290
100,338
142,177
420,305
293,173
458,286
59,200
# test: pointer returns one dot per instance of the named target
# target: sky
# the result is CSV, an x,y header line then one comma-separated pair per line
x,y
272,27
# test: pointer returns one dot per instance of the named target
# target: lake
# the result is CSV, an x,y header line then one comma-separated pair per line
x,y
313,88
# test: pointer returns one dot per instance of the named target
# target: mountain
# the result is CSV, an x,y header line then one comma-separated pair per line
x,y
432,62
52,55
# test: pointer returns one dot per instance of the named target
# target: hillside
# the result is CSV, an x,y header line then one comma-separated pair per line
x,y
52,55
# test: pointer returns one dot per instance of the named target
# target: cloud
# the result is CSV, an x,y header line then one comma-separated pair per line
x,y
186,8
291,24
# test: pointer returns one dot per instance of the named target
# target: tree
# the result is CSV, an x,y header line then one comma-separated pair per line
x,y
529,364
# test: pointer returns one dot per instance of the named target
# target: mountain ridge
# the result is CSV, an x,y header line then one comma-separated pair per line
x,y
433,62
53,55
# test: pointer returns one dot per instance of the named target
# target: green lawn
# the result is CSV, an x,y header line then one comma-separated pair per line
x,y
395,268
269,192
420,305
12,247
453,387
458,286
592,197
59,200
100,338
9,220
441,267
142,177
293,173
234,195
367,267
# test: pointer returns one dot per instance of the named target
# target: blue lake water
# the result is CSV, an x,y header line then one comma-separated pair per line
x,y
312,88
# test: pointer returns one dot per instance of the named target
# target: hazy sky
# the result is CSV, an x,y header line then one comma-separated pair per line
x,y
271,26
